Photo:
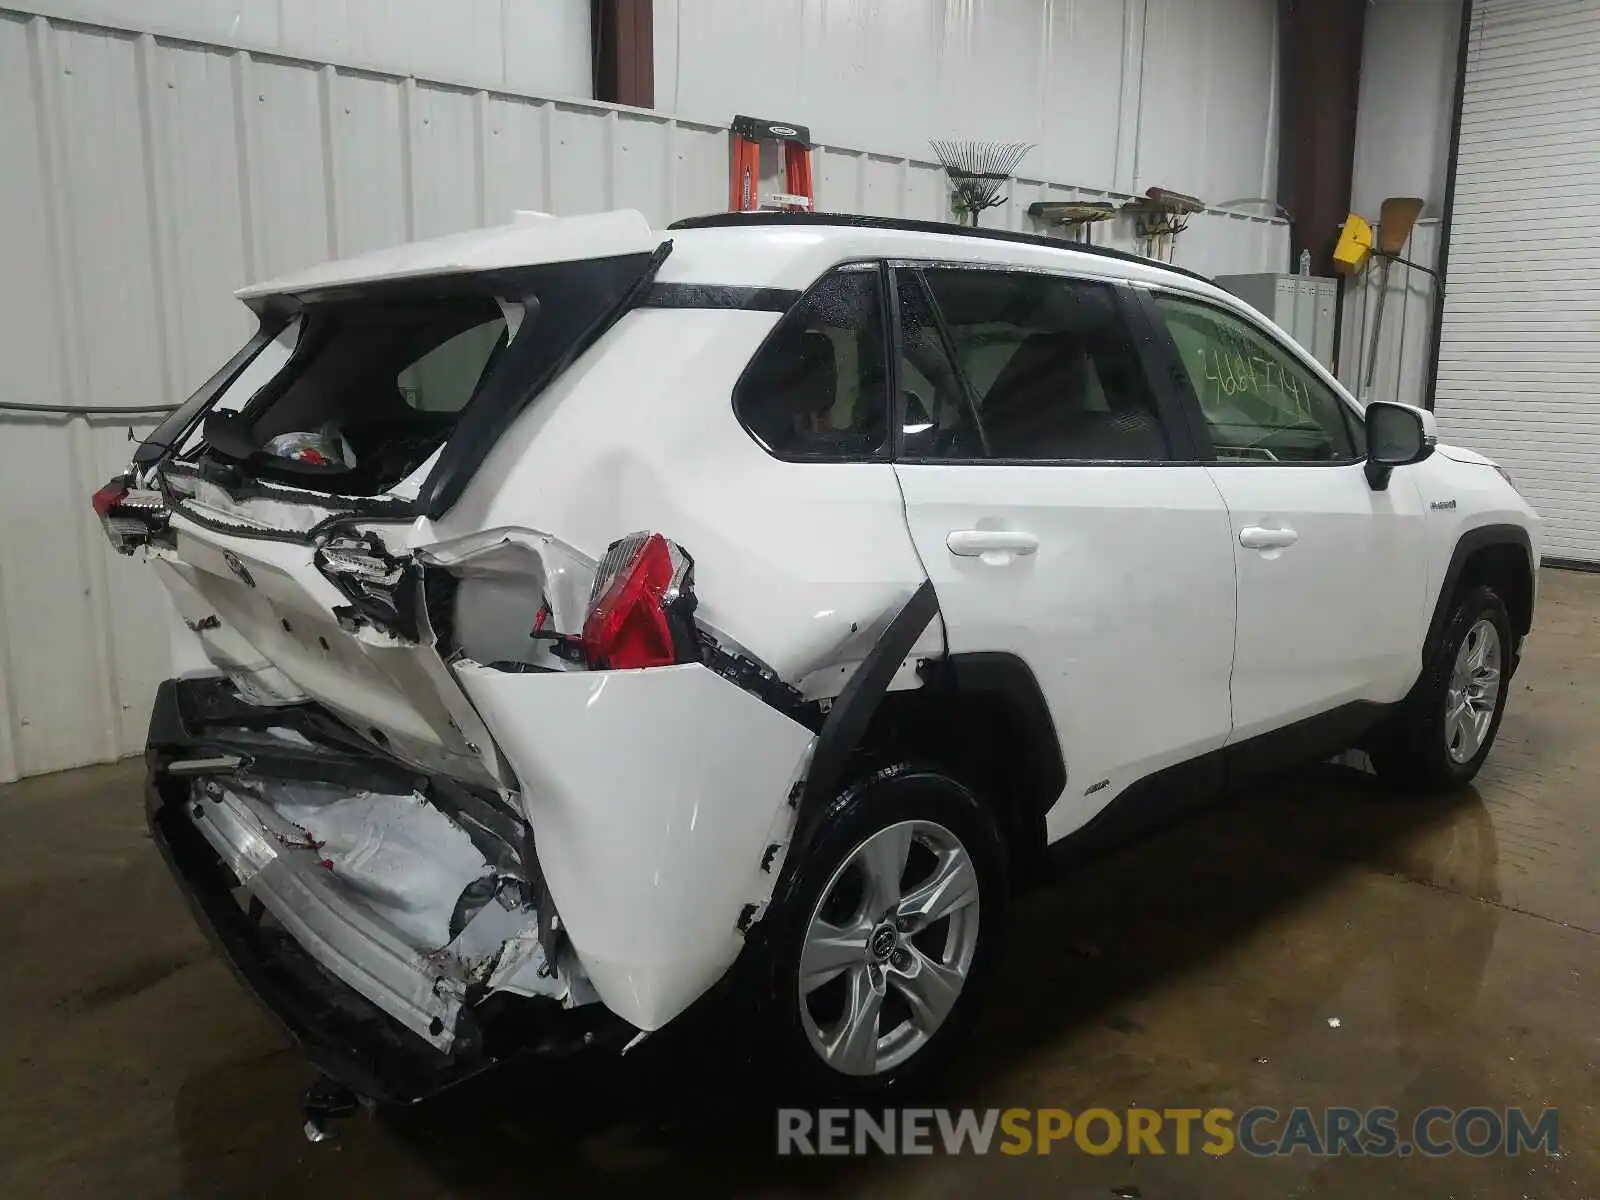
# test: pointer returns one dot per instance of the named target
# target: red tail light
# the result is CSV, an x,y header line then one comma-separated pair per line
x,y
128,517
639,615
109,497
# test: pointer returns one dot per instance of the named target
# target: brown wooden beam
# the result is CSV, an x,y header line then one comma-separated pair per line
x,y
623,32
1320,77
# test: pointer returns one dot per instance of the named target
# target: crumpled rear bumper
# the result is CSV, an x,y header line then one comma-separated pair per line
x,y
347,1036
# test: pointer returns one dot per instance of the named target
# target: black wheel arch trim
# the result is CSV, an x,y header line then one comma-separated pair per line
x,y
852,711
993,672
1005,674
1470,543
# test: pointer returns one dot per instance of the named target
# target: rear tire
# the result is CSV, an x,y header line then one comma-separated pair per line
x,y
882,937
1448,723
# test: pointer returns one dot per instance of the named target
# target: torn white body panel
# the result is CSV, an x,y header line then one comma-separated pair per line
x,y
653,797
506,576
804,567
273,626
373,887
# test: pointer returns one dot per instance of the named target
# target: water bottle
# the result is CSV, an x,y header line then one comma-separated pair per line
x,y
1305,262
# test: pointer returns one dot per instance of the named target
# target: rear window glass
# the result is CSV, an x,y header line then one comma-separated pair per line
x,y
817,388
445,378
257,373
375,389
403,386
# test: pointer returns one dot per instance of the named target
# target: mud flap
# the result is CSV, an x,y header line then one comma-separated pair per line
x,y
655,797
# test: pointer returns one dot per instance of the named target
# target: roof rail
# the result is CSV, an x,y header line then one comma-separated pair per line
x,y
949,228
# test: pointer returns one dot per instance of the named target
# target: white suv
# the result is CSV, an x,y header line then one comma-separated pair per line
x,y
579,610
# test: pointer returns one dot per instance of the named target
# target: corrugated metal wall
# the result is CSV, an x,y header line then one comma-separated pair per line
x,y
147,177
1114,93
525,45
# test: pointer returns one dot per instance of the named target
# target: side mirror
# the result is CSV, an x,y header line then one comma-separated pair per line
x,y
1397,435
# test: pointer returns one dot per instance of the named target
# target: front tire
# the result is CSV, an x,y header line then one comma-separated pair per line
x,y
883,935
1448,723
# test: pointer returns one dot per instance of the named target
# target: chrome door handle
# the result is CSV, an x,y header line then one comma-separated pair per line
x,y
971,543
1255,537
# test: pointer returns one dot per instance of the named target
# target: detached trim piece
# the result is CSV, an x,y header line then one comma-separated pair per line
x,y
852,712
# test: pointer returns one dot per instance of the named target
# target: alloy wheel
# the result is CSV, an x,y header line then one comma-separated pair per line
x,y
1474,691
888,947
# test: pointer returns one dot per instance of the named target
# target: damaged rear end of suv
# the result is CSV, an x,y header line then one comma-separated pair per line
x,y
344,780
493,719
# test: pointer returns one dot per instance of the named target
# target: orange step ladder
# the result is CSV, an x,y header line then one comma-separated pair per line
x,y
744,185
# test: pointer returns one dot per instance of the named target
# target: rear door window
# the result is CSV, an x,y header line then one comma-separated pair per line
x,y
817,387
1051,367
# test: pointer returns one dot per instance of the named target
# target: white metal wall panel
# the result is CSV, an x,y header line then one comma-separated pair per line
x,y
1408,86
522,45
1208,99
1519,363
149,176
1118,94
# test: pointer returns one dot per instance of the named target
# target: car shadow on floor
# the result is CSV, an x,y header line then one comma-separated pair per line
x,y
682,1110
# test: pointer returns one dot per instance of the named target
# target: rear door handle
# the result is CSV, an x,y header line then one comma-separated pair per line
x,y
971,543
1255,537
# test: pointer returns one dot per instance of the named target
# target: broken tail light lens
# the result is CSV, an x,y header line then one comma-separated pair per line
x,y
108,497
128,515
379,586
641,609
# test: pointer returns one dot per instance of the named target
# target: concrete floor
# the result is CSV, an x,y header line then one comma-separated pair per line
x,y
1457,941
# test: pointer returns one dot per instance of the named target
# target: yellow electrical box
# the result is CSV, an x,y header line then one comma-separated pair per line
x,y
1355,243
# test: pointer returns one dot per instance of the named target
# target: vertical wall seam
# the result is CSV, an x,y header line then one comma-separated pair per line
x,y
243,130
408,189
481,119
1269,151
547,154
505,42
1130,96
613,153
327,102
670,183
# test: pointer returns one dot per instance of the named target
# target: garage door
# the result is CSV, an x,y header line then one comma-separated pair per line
x,y
1519,359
